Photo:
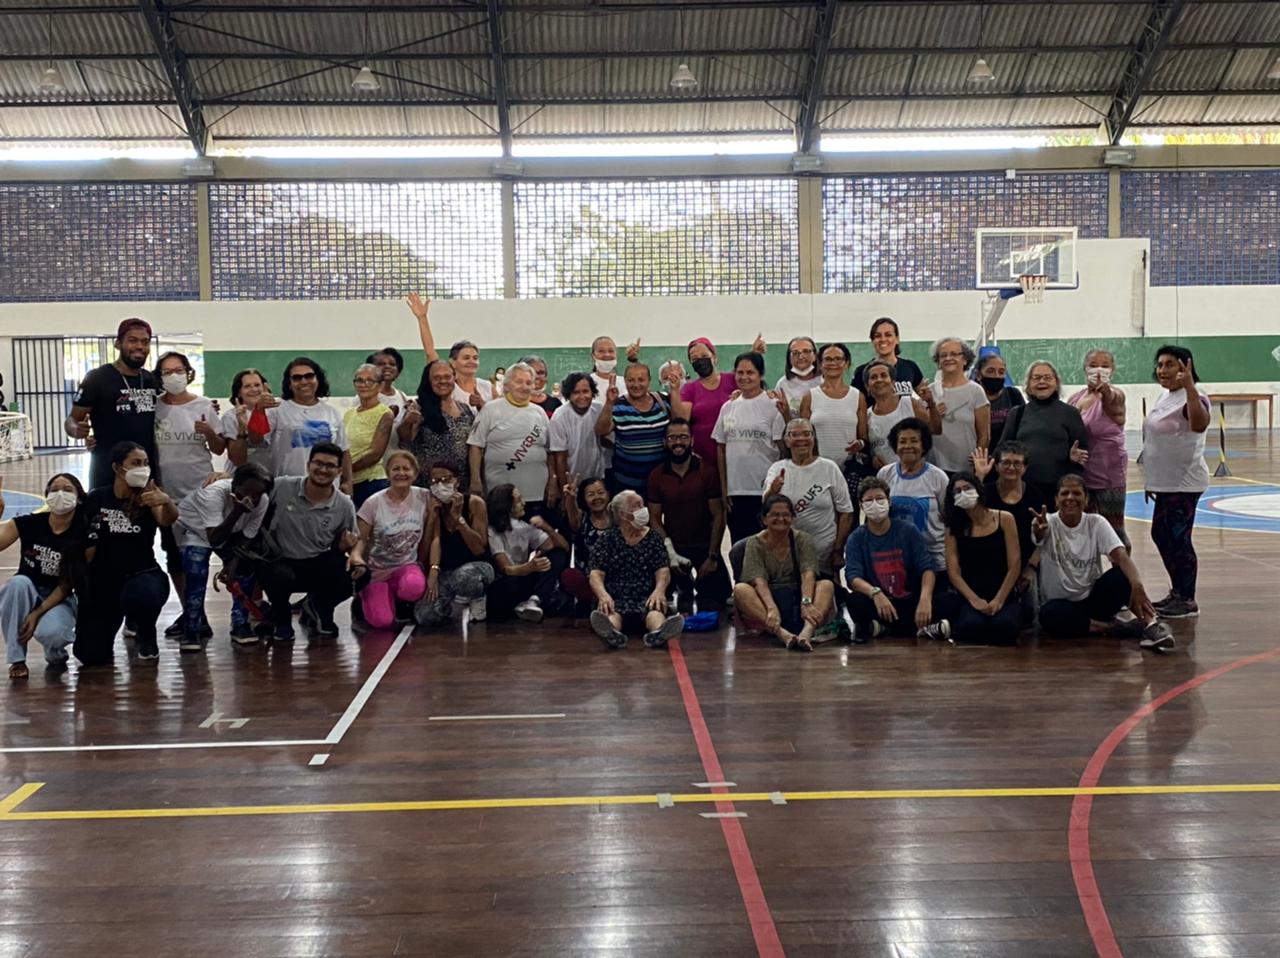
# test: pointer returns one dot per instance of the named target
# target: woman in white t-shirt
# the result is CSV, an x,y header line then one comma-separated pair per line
x,y
1080,599
803,372
573,445
528,556
963,404
464,357
837,410
747,434
818,492
887,407
917,489
392,526
1176,475
303,419
188,436
508,443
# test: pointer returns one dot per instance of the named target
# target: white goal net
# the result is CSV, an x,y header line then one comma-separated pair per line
x,y
15,437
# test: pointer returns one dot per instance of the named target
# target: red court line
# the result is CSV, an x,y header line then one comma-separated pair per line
x,y
1095,912
762,927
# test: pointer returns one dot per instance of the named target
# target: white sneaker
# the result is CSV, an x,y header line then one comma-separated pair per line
x,y
530,610
478,609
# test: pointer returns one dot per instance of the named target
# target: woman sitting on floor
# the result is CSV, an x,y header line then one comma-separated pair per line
x,y
983,564
529,556
629,577
587,513
1079,598
461,523
779,589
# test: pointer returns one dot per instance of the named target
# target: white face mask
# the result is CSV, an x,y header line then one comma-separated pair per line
x,y
443,490
137,477
876,509
61,502
641,517
605,366
1098,375
501,377
967,498
174,383
802,372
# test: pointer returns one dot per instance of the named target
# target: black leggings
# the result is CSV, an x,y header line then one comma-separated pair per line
x,y
1062,618
744,518
324,578
508,591
138,598
862,609
970,625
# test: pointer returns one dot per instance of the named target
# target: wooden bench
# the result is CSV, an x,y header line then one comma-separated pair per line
x,y
1254,398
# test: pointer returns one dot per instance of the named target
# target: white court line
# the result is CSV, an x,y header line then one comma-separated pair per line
x,y
366,691
334,736
493,718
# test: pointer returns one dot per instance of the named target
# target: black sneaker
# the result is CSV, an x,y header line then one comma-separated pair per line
x,y
326,630
244,634
206,630
1157,637
175,629
191,642
611,637
148,650
672,626
939,630
282,635
307,617
862,636
1179,608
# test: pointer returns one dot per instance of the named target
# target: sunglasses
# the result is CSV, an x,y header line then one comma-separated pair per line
x,y
301,377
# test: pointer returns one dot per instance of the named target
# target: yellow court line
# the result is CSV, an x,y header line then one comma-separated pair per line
x,y
8,814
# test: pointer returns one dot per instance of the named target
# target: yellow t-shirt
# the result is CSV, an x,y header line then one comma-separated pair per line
x,y
361,426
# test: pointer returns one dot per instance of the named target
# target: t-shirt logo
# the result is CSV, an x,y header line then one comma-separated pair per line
x,y
310,432
47,561
522,450
891,572
912,509
807,498
131,401
119,523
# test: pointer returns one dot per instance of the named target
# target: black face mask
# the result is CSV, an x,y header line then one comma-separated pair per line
x,y
679,457
703,367
993,383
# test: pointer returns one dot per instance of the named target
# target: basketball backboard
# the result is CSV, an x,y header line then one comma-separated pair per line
x,y
1006,254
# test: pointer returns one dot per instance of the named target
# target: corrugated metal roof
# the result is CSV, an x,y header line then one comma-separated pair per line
x,y
602,78
309,79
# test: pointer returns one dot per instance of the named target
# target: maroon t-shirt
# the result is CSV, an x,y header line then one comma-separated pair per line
x,y
686,513
706,409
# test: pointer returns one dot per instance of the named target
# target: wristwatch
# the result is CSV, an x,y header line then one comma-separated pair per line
x,y
875,591
806,601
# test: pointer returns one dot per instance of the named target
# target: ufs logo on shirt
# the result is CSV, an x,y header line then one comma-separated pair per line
x,y
807,498
132,400
526,444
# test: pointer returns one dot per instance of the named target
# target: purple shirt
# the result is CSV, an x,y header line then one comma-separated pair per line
x,y
706,408
1108,464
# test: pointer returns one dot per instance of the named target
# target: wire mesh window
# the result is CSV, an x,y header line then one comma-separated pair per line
x,y
1213,228
348,240
657,237
916,232
98,241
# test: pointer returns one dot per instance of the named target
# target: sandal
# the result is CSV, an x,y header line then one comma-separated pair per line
x,y
18,670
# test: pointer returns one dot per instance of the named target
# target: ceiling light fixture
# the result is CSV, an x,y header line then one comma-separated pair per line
x,y
1274,72
50,81
980,72
683,78
365,81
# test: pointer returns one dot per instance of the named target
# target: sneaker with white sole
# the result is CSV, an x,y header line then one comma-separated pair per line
x,y
672,626
478,609
1179,608
939,630
861,636
1161,603
1157,637
611,637
242,633
530,610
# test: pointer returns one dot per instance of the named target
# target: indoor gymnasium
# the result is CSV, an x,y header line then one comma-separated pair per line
x,y
640,477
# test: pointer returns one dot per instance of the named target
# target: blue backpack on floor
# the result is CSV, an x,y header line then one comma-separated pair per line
x,y
702,622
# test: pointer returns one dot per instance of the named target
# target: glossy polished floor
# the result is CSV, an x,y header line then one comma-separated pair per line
x,y
524,793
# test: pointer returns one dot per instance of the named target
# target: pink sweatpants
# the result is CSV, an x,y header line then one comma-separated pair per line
x,y
405,584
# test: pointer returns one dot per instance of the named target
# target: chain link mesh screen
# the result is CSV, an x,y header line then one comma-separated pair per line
x,y
657,237
346,240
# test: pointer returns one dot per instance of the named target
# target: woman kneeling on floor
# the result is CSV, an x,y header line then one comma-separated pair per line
x,y
779,588
1081,599
629,576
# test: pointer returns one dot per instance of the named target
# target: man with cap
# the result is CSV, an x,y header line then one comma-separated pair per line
x,y
117,402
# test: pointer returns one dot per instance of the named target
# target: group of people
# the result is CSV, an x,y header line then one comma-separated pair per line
x,y
957,507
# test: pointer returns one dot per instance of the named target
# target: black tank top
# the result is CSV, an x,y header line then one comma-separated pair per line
x,y
453,550
983,562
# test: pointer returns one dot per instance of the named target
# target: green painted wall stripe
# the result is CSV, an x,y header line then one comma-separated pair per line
x,y
1219,359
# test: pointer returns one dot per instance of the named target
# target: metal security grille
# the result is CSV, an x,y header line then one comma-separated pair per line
x,y
657,237
356,240
916,232
46,372
98,241
1219,228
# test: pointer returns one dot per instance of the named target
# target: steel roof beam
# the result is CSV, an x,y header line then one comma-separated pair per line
x,y
807,120
496,43
1161,19
177,71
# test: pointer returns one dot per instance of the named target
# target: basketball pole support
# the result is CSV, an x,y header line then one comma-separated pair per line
x,y
1222,471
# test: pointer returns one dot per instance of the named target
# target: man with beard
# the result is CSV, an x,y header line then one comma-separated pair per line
x,y
117,402
684,507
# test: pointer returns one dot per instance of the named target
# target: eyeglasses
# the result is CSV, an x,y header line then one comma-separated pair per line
x,y
326,466
366,382
301,377
1012,464
951,355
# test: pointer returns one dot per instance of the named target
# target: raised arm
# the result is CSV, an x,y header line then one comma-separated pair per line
x,y
419,307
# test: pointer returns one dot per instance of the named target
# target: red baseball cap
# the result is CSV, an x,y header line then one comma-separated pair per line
x,y
128,324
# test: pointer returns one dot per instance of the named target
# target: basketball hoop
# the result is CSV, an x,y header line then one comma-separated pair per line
x,y
1033,286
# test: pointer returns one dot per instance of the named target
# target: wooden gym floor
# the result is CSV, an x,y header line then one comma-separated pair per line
x,y
521,792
